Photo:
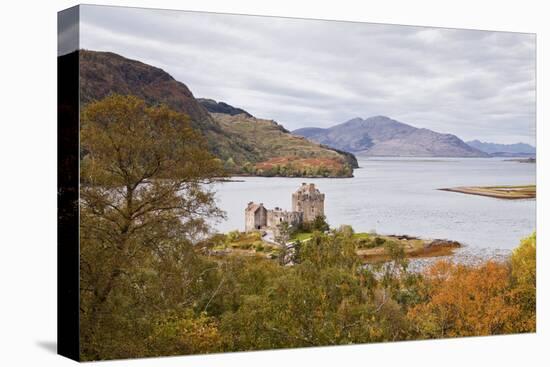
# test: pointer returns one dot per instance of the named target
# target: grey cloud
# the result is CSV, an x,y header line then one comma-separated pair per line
x,y
475,84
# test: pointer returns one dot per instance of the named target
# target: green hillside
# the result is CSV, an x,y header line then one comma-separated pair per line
x,y
243,150
279,153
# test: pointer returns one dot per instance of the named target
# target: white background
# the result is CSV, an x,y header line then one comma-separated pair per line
x,y
28,182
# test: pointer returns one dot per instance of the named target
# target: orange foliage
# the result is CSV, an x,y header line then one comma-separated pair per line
x,y
466,301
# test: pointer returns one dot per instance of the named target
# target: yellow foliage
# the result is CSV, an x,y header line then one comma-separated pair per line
x,y
185,333
524,280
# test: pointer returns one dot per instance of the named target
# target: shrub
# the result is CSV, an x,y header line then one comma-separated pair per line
x,y
233,236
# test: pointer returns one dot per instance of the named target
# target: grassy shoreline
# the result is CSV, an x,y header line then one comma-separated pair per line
x,y
499,192
413,247
370,247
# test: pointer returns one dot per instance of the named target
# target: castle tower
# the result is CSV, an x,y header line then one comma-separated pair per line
x,y
255,216
309,201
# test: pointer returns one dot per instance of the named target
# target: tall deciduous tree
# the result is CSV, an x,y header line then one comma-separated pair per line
x,y
143,201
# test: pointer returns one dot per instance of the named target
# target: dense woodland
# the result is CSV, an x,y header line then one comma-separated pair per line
x,y
147,289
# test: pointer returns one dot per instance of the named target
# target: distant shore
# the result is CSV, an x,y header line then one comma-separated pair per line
x,y
523,160
499,192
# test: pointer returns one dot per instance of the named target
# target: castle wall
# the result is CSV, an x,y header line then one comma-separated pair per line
x,y
278,216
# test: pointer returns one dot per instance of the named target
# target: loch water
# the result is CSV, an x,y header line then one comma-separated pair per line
x,y
401,196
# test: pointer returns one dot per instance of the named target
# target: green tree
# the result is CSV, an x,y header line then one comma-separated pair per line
x,y
142,203
323,300
282,237
320,224
230,164
184,333
336,249
282,234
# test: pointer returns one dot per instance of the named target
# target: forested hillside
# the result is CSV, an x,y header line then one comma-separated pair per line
x,y
105,73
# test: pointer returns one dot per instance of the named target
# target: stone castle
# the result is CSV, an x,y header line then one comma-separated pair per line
x,y
307,204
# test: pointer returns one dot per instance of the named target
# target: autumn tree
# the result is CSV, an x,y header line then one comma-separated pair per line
x,y
465,301
524,281
143,202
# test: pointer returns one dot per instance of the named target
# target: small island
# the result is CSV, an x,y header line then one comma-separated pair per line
x,y
499,192
370,247
276,233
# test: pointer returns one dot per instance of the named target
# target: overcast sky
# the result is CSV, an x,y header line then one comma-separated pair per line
x,y
475,84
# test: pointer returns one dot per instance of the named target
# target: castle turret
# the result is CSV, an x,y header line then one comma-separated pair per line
x,y
309,201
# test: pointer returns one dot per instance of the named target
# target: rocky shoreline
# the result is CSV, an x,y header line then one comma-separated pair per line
x,y
414,247
465,256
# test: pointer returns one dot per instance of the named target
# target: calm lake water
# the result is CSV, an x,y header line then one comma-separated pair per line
x,y
400,196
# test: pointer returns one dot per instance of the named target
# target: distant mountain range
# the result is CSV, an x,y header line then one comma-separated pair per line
x,y
382,136
504,150
253,146
245,145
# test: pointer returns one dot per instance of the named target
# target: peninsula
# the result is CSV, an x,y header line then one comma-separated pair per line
x,y
499,192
